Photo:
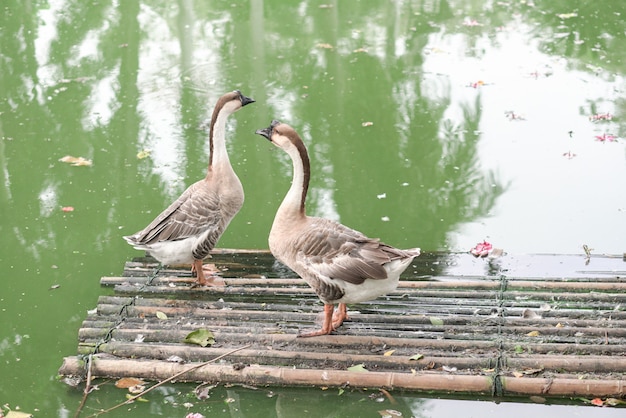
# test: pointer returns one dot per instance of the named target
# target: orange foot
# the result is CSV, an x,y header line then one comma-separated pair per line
x,y
201,271
332,320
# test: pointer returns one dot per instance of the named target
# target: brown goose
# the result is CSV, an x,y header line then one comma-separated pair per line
x,y
189,228
342,265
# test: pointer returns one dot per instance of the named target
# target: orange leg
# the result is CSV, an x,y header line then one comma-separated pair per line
x,y
328,325
202,280
340,315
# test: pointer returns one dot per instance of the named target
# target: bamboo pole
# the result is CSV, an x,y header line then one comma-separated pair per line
x,y
421,381
473,361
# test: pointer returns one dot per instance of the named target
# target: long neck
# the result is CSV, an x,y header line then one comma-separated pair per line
x,y
294,202
217,140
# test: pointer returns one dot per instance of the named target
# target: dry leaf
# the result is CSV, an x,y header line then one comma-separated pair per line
x,y
128,382
76,161
389,353
533,334
518,374
161,315
390,413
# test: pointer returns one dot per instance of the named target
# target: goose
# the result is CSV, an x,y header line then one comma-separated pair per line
x,y
342,265
190,227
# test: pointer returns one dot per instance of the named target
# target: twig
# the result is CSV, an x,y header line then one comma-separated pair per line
x,y
169,379
87,387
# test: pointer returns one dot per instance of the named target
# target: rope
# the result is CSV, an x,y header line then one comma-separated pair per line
x,y
497,387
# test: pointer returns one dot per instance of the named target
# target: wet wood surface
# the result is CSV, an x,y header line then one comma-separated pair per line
x,y
549,325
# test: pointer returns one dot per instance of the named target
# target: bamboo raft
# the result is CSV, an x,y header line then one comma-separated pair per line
x,y
532,325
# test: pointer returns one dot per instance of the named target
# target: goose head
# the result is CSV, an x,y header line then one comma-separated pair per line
x,y
232,102
281,135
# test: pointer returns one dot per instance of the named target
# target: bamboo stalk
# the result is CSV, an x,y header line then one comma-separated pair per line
x,y
424,381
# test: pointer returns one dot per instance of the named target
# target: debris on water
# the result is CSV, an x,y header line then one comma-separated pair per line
x,y
598,117
605,137
481,249
76,161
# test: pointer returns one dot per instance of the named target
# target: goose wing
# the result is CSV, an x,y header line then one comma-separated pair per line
x,y
195,211
330,249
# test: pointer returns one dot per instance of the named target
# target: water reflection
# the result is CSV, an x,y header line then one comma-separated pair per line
x,y
395,138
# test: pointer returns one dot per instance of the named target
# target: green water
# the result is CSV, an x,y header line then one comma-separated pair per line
x,y
430,123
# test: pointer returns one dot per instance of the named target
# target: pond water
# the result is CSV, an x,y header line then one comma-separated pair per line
x,y
430,123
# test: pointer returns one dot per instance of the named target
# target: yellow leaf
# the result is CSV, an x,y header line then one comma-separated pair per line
x,y
389,353
324,45
161,315
76,161
143,154
127,382
533,334
518,374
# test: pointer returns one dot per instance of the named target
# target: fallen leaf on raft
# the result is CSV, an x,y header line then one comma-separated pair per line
x,y
76,161
127,382
533,334
201,337
161,315
357,368
436,321
416,357
389,353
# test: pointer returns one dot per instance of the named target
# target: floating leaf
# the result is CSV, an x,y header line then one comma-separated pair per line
x,y
614,402
597,402
324,45
357,368
144,153
389,353
127,382
390,413
538,399
18,414
365,124
416,357
76,161
436,321
202,337
341,391
133,398
161,315
533,334
67,209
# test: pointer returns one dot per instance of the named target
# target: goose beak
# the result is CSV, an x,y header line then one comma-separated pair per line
x,y
244,99
267,132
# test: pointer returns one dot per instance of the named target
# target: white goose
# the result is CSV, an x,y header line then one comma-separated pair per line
x,y
342,265
189,228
